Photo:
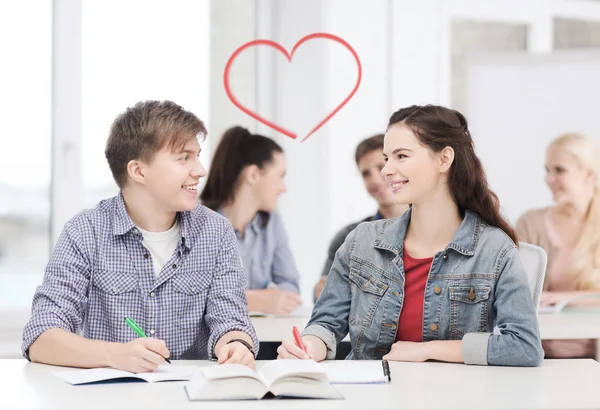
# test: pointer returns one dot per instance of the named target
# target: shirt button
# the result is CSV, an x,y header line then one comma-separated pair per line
x,y
437,290
115,290
151,294
146,256
445,256
433,327
135,231
152,331
174,266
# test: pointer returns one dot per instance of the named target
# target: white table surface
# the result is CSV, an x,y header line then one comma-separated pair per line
x,y
557,384
570,324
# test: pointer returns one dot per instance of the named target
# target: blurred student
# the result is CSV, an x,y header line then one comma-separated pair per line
x,y
369,160
244,182
150,254
435,282
569,231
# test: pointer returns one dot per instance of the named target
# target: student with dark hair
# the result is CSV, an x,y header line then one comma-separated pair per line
x,y
434,283
244,181
150,254
369,160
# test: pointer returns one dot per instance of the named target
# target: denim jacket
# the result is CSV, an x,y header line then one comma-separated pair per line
x,y
476,284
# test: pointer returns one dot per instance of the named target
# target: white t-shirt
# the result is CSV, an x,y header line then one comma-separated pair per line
x,y
161,245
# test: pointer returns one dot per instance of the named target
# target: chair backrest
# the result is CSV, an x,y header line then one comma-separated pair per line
x,y
534,260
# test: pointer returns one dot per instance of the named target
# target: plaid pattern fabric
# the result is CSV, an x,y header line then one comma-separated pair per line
x,y
265,253
99,273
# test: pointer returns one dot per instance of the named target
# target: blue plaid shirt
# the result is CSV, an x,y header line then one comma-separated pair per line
x,y
100,273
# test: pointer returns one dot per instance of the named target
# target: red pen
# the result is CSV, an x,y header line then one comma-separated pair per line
x,y
298,339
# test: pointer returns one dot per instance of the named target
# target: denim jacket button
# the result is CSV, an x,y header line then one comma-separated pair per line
x,y
433,327
437,290
471,294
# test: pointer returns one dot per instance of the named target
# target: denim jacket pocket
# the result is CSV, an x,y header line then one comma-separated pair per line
x,y
367,291
469,309
190,294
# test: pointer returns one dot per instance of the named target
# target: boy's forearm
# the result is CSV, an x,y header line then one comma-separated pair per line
x,y
63,348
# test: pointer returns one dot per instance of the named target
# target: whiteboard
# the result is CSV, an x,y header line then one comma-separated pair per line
x,y
518,103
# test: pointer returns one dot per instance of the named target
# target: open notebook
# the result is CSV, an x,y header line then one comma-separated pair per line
x,y
356,371
161,374
558,307
282,378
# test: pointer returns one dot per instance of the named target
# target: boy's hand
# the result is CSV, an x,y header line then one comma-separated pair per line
x,y
235,352
138,356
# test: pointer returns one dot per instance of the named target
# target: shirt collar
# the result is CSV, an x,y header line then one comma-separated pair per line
x,y
464,240
123,223
255,224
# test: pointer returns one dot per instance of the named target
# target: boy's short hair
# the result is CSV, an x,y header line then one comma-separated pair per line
x,y
146,128
374,143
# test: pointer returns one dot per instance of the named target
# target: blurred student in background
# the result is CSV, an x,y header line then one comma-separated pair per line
x,y
369,160
569,231
244,182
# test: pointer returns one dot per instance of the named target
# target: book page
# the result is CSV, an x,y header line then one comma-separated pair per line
x,y
225,384
227,371
278,369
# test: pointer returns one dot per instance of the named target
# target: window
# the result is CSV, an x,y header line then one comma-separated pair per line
x,y
25,157
154,50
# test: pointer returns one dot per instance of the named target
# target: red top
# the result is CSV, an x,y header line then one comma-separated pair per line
x,y
410,323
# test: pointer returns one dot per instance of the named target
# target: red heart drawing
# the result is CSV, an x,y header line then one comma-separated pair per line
x,y
289,56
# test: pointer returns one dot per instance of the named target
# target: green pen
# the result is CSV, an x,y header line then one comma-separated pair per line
x,y
137,329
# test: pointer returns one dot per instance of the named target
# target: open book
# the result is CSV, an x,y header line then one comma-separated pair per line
x,y
161,374
558,307
282,378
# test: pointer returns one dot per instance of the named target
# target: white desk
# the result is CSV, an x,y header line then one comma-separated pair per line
x,y
557,384
571,324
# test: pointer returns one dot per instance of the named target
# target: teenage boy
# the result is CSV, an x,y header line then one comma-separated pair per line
x,y
150,254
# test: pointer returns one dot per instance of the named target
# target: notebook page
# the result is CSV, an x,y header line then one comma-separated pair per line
x,y
355,372
169,372
162,373
82,376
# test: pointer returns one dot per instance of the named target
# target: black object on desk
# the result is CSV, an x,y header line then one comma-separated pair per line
x,y
386,370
